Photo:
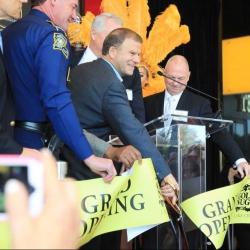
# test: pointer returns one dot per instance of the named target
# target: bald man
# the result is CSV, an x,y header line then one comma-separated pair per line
x,y
177,68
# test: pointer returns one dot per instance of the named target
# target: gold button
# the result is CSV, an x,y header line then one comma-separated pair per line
x,y
12,124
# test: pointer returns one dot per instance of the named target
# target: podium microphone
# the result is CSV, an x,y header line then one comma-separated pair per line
x,y
217,113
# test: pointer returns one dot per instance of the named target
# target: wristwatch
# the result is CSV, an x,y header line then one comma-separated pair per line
x,y
234,166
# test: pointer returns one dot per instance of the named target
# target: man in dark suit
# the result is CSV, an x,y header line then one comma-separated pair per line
x,y
102,107
7,109
102,25
158,104
195,105
7,115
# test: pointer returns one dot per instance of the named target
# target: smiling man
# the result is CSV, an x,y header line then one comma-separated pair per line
x,y
37,58
102,25
103,109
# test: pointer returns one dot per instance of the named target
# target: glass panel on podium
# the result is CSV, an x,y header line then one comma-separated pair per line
x,y
183,145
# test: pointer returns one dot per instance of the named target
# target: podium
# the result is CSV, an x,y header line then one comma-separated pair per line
x,y
183,145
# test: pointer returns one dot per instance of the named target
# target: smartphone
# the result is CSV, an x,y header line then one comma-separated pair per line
x,y
30,172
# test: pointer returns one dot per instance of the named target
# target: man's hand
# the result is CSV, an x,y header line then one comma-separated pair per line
x,y
104,167
127,155
244,169
169,187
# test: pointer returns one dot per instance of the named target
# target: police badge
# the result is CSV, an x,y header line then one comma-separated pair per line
x,y
60,43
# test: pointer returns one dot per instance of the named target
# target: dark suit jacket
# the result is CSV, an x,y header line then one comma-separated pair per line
x,y
130,82
103,109
7,114
196,106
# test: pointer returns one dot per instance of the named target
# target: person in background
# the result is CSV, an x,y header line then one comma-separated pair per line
x,y
102,25
38,63
144,74
58,225
9,9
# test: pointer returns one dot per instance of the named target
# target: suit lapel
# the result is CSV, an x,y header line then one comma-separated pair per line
x,y
184,101
159,104
1,57
4,72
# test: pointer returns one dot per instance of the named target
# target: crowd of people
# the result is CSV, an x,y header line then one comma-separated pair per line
x,y
83,97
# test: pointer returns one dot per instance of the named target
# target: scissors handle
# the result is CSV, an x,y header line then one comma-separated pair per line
x,y
179,218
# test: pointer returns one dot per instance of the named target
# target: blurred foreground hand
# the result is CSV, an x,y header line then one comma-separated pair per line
x,y
57,226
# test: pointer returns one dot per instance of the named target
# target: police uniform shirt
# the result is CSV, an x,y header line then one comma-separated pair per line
x,y
38,64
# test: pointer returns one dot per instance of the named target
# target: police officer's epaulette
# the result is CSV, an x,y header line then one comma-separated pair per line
x,y
56,26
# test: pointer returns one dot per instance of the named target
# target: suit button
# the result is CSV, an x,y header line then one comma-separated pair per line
x,y
12,124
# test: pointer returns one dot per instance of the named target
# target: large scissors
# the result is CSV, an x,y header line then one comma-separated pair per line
x,y
179,218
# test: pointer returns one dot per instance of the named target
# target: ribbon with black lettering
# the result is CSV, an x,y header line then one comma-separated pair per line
x,y
213,211
127,202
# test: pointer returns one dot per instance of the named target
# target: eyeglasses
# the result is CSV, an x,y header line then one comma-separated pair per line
x,y
178,79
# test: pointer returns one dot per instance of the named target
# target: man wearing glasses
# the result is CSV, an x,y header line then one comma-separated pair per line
x,y
177,97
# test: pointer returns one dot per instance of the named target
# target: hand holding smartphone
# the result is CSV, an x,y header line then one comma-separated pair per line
x,y
30,172
58,224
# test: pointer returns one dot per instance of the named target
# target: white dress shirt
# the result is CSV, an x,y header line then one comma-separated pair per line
x,y
88,56
170,104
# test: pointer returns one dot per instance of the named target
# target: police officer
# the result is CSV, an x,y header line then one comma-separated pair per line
x,y
38,65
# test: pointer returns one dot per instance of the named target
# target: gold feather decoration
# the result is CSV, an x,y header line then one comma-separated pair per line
x,y
138,17
117,7
135,14
165,34
74,33
81,32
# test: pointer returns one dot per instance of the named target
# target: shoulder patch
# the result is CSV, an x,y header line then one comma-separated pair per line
x,y
60,43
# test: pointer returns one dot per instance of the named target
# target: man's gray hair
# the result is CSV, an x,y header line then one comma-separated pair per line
x,y
100,21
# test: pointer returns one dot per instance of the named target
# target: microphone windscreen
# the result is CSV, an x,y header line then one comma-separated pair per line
x,y
160,73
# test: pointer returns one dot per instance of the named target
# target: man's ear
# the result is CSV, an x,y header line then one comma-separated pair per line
x,y
189,73
93,34
112,51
